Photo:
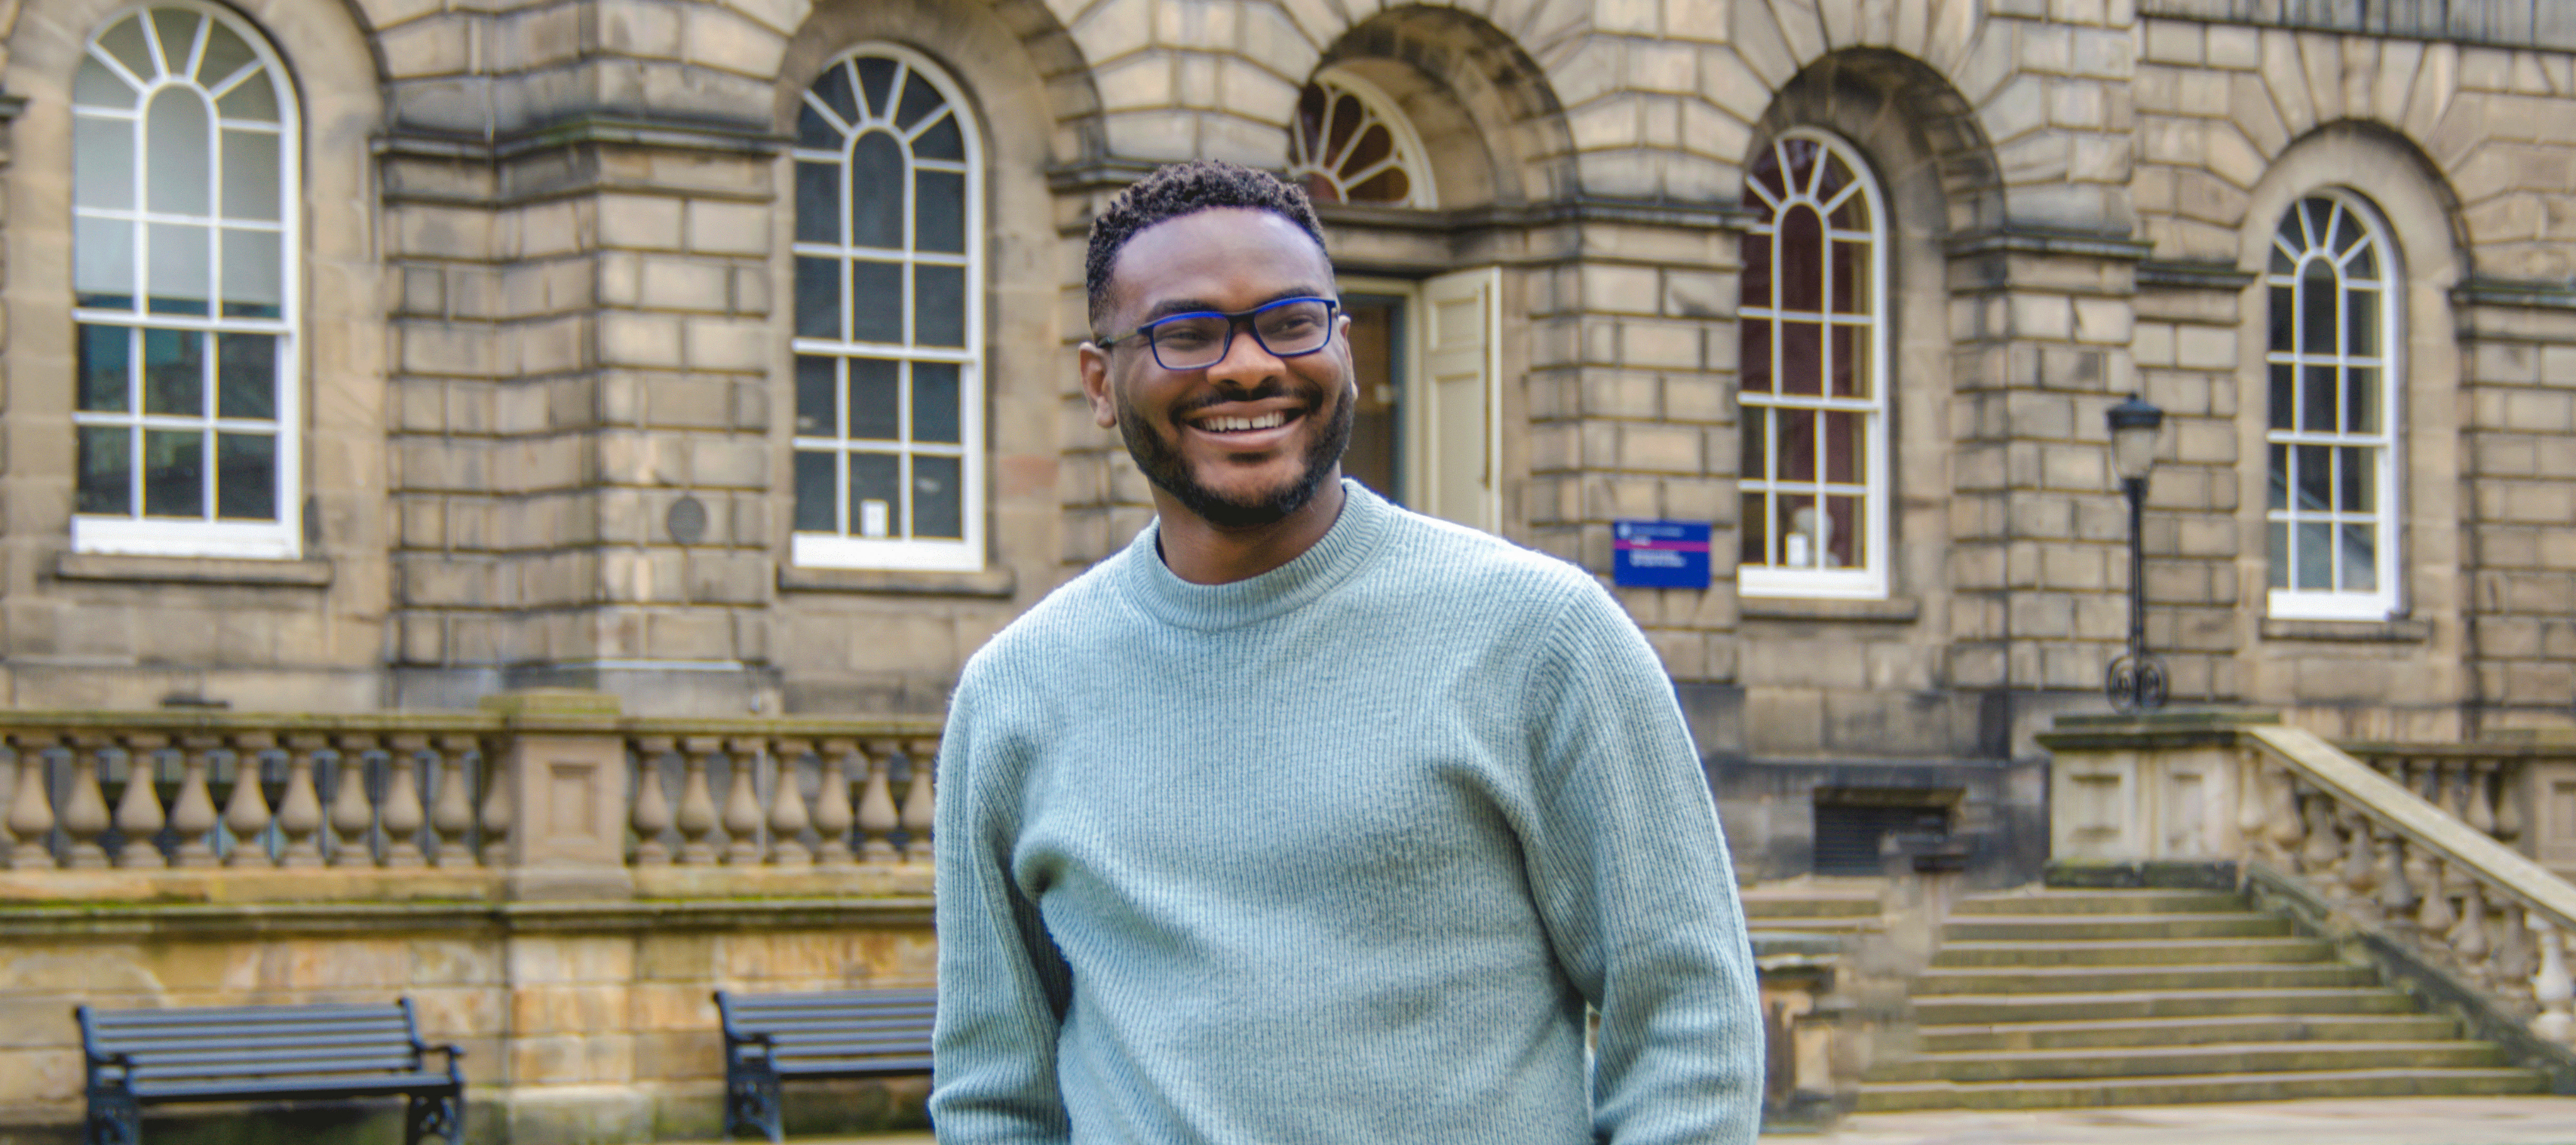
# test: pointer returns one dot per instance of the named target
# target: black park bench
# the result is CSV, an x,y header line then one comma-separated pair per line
x,y
264,1053
840,1033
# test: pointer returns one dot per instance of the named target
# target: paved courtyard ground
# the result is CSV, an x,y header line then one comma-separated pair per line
x,y
2401,1121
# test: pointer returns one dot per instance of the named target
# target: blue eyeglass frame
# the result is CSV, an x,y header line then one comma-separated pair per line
x,y
1237,320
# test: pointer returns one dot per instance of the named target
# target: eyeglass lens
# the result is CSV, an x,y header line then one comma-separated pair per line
x,y
1286,329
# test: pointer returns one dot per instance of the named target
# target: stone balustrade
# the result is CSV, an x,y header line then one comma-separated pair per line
x,y
540,795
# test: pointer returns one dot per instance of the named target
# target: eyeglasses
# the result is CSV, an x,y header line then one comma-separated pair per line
x,y
1288,328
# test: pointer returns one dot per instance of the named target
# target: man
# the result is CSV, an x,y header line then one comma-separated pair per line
x,y
1305,819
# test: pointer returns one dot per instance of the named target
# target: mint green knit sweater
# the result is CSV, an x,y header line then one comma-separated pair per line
x,y
1334,856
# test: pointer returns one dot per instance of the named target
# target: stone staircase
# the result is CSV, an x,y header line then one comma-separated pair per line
x,y
1812,905
2056,998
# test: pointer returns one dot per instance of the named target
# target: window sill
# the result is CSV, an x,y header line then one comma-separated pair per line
x,y
2356,631
1894,610
192,570
994,583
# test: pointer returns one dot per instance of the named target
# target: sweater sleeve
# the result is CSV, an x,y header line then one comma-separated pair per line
x,y
1632,877
1003,986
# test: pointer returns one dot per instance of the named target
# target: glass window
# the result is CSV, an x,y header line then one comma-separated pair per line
x,y
1349,144
183,161
2331,366
888,321
1811,354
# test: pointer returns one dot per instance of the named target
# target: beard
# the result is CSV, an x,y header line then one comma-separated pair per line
x,y
1163,465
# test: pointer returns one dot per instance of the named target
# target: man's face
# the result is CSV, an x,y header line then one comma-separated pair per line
x,y
1176,422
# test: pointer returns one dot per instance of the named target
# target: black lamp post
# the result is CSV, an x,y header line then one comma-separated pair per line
x,y
2136,681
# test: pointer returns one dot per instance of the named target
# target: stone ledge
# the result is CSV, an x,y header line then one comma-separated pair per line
x,y
997,583
192,570
2218,276
1894,610
2351,631
132,920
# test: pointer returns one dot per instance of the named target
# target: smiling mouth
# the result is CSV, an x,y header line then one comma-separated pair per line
x,y
1271,420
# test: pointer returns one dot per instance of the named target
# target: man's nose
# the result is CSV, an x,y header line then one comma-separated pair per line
x,y
1246,362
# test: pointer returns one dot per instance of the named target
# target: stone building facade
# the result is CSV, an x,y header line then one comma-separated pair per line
x,y
719,353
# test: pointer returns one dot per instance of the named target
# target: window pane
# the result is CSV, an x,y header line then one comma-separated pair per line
x,y
2279,534
876,192
2361,322
939,498
2364,265
177,31
1843,461
2280,480
940,220
105,353
1757,270
1754,354
250,175
818,298
919,100
935,410
106,470
225,54
876,84
125,42
2284,398
816,507
103,263
2361,400
1755,461
174,473
2356,480
181,258
1851,362
2316,555
95,86
2317,399
1851,278
1801,358
941,140
254,282
178,150
1842,533
1796,443
833,88
174,372
1798,549
814,131
2317,308
253,99
818,203
102,162
1755,525
876,302
2284,320
818,411
876,399
2315,479
2360,559
939,305
878,478
1802,271
246,376
246,476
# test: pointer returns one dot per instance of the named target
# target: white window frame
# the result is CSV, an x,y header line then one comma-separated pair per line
x,y
2381,601
1408,155
841,550
281,539
1870,581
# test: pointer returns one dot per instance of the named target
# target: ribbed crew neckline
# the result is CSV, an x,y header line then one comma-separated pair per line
x,y
1343,549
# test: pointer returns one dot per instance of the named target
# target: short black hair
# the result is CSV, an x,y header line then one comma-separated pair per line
x,y
1185,189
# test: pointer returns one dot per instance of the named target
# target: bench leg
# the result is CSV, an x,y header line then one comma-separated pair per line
x,y
440,1115
115,1117
751,1098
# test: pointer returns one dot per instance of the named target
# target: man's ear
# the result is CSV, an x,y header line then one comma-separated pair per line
x,y
1095,385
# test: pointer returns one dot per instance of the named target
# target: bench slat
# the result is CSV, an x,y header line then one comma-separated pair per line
x,y
300,1068
234,1015
362,1087
280,1043
287,1059
865,1067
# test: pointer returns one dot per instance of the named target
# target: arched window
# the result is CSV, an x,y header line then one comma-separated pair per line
x,y
1812,351
183,279
1349,144
2330,513
889,341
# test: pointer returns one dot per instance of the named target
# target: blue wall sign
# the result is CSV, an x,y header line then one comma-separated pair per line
x,y
1659,554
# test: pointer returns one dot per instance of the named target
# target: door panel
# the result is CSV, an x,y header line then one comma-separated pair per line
x,y
1453,470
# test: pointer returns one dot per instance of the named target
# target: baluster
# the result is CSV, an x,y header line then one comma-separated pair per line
x,y
2288,827
2550,987
193,816
351,813
451,811
401,815
697,804
877,816
2508,808
832,813
2454,780
742,804
2324,848
919,810
2469,935
299,814
2360,864
500,812
246,814
652,807
85,818
2433,917
138,811
2396,888
2251,802
787,817
31,806
2512,961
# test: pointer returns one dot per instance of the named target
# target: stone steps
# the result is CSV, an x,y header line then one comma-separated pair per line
x,y
2047,999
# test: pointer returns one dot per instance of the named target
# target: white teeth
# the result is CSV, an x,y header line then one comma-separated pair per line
x,y
1238,424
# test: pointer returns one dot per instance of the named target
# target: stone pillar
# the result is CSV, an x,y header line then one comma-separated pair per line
x,y
563,762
